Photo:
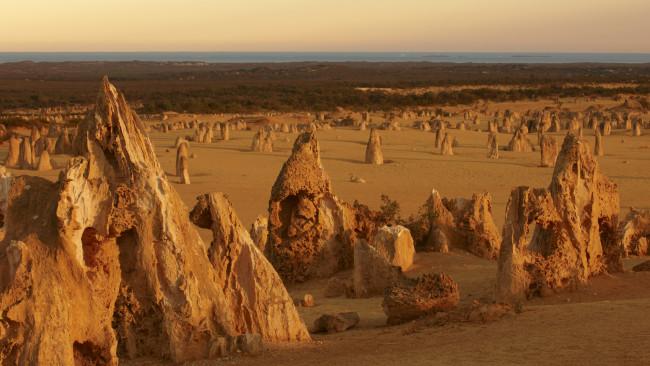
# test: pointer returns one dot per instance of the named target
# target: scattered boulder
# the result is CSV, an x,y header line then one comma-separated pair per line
x,y
373,272
396,245
307,301
250,343
373,149
415,298
575,221
336,323
642,267
337,287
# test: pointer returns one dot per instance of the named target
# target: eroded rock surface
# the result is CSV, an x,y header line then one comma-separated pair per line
x,y
425,295
253,290
635,232
560,236
373,272
310,230
105,262
457,223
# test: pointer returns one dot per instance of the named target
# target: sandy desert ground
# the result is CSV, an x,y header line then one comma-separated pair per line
x,y
603,323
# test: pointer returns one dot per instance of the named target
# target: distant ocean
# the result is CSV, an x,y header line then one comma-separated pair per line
x,y
254,57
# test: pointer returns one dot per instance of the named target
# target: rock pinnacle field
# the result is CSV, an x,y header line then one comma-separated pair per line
x,y
176,188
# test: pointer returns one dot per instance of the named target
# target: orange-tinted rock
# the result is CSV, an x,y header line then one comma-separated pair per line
x,y
309,228
465,224
575,235
253,290
415,298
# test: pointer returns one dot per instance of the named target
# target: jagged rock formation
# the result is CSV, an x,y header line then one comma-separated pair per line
x,y
415,298
373,272
310,230
493,147
635,232
520,141
374,154
548,150
253,290
457,223
108,264
13,155
575,228
446,147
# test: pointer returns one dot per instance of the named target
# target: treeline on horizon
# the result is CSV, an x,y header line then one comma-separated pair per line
x,y
237,88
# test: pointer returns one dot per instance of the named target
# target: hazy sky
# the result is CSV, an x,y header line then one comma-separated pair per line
x,y
326,25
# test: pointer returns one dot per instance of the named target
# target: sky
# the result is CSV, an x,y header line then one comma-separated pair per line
x,y
326,25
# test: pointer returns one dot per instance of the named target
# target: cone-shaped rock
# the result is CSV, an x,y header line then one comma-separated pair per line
x,y
251,286
446,147
575,233
374,154
520,141
27,154
309,228
44,163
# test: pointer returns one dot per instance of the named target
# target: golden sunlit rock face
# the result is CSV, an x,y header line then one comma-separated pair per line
x,y
109,266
